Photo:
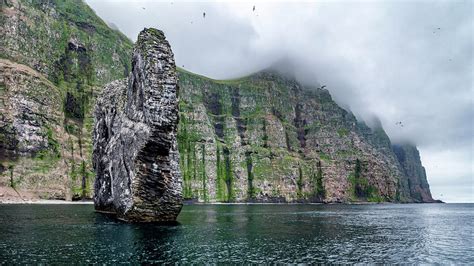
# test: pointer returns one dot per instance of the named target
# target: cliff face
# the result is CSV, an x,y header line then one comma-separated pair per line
x,y
260,138
135,148
268,138
415,182
56,56
32,135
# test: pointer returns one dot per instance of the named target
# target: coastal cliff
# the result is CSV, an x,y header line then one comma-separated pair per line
x,y
56,56
267,138
260,138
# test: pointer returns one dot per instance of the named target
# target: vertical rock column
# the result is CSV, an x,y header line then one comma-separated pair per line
x,y
135,148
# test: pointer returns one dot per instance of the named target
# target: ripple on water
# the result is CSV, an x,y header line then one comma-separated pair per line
x,y
426,233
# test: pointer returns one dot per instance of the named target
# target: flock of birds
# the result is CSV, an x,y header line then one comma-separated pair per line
x,y
204,13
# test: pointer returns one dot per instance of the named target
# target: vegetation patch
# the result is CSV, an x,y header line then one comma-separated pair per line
x,y
360,187
299,183
320,191
342,132
323,156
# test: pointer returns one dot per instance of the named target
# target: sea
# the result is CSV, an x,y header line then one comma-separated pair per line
x,y
242,233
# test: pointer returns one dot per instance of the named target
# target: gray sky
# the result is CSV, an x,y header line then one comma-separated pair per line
x,y
408,61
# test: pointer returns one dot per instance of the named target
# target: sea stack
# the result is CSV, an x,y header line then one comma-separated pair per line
x,y
135,153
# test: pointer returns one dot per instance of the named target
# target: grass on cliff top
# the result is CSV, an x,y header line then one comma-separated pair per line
x,y
79,12
223,82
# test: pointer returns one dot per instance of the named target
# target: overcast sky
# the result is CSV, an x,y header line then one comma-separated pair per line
x,y
408,61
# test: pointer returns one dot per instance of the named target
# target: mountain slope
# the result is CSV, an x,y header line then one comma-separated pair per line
x,y
268,138
264,137
64,40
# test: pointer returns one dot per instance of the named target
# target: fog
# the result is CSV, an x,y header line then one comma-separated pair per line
x,y
392,61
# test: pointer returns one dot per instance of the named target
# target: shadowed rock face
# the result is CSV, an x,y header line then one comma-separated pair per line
x,y
415,181
135,149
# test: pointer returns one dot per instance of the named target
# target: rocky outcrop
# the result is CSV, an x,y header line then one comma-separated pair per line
x,y
135,152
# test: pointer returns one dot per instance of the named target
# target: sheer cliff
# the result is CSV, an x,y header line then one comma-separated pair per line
x,y
264,137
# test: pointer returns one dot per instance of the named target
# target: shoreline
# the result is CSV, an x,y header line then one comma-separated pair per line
x,y
90,202
45,202
9,195
12,196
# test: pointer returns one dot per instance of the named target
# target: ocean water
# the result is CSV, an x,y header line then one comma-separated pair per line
x,y
381,233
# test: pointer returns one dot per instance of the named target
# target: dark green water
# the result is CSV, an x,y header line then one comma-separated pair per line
x,y
424,233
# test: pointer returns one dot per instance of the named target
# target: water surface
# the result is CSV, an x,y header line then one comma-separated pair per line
x,y
384,233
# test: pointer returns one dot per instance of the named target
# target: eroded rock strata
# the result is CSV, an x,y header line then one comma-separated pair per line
x,y
135,152
268,138
56,55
